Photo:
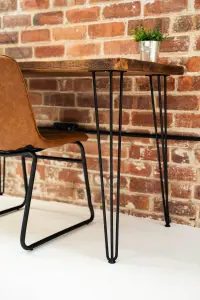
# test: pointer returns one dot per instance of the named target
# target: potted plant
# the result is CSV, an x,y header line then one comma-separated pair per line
x,y
149,42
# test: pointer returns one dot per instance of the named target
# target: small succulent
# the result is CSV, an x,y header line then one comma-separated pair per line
x,y
141,34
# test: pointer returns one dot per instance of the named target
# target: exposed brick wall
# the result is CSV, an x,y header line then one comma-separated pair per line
x,y
73,29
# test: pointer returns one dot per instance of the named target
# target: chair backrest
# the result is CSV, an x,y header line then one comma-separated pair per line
x,y
17,124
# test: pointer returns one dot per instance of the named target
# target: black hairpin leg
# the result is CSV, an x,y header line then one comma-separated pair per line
x,y
163,154
15,208
112,245
2,175
29,196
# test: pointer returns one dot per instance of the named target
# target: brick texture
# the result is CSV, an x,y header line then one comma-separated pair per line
x,y
79,29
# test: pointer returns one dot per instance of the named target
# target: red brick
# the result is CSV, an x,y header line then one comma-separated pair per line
x,y
83,15
66,85
50,18
35,98
146,119
185,83
197,44
76,2
181,190
175,44
177,208
45,113
71,176
138,202
187,120
183,24
135,102
101,1
160,6
183,102
8,37
40,84
106,29
8,5
60,99
82,84
49,51
35,36
180,156
182,173
33,5
104,117
193,64
142,185
197,4
135,168
19,52
103,84
122,10
143,153
68,3
75,115
17,21
161,23
197,192
69,33
142,84
122,47
82,50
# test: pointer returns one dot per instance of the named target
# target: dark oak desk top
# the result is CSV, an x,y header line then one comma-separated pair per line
x,y
82,67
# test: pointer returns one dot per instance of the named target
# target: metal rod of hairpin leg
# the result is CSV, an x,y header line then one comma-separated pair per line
x,y
100,163
166,154
157,143
119,165
111,169
163,143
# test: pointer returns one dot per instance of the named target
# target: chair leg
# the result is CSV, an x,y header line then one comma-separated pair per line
x,y
28,203
15,208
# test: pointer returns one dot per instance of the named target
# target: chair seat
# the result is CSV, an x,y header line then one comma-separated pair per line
x,y
54,138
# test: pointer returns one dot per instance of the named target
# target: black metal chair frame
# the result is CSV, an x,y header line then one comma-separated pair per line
x,y
31,153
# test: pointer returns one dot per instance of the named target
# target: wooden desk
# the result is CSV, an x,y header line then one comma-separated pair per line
x,y
120,67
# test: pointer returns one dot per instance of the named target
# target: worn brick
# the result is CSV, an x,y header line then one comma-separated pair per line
x,y
17,21
33,5
178,208
49,51
60,99
147,186
175,44
8,5
19,52
121,47
161,23
29,36
193,64
38,84
87,49
122,10
183,24
83,15
8,37
181,190
49,18
159,7
106,29
75,115
69,33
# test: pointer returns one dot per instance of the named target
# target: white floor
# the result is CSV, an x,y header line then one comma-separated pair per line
x,y
154,262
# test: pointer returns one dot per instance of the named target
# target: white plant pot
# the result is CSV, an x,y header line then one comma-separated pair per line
x,y
149,50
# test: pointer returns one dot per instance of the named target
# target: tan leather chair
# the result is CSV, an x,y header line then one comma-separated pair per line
x,y
19,136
